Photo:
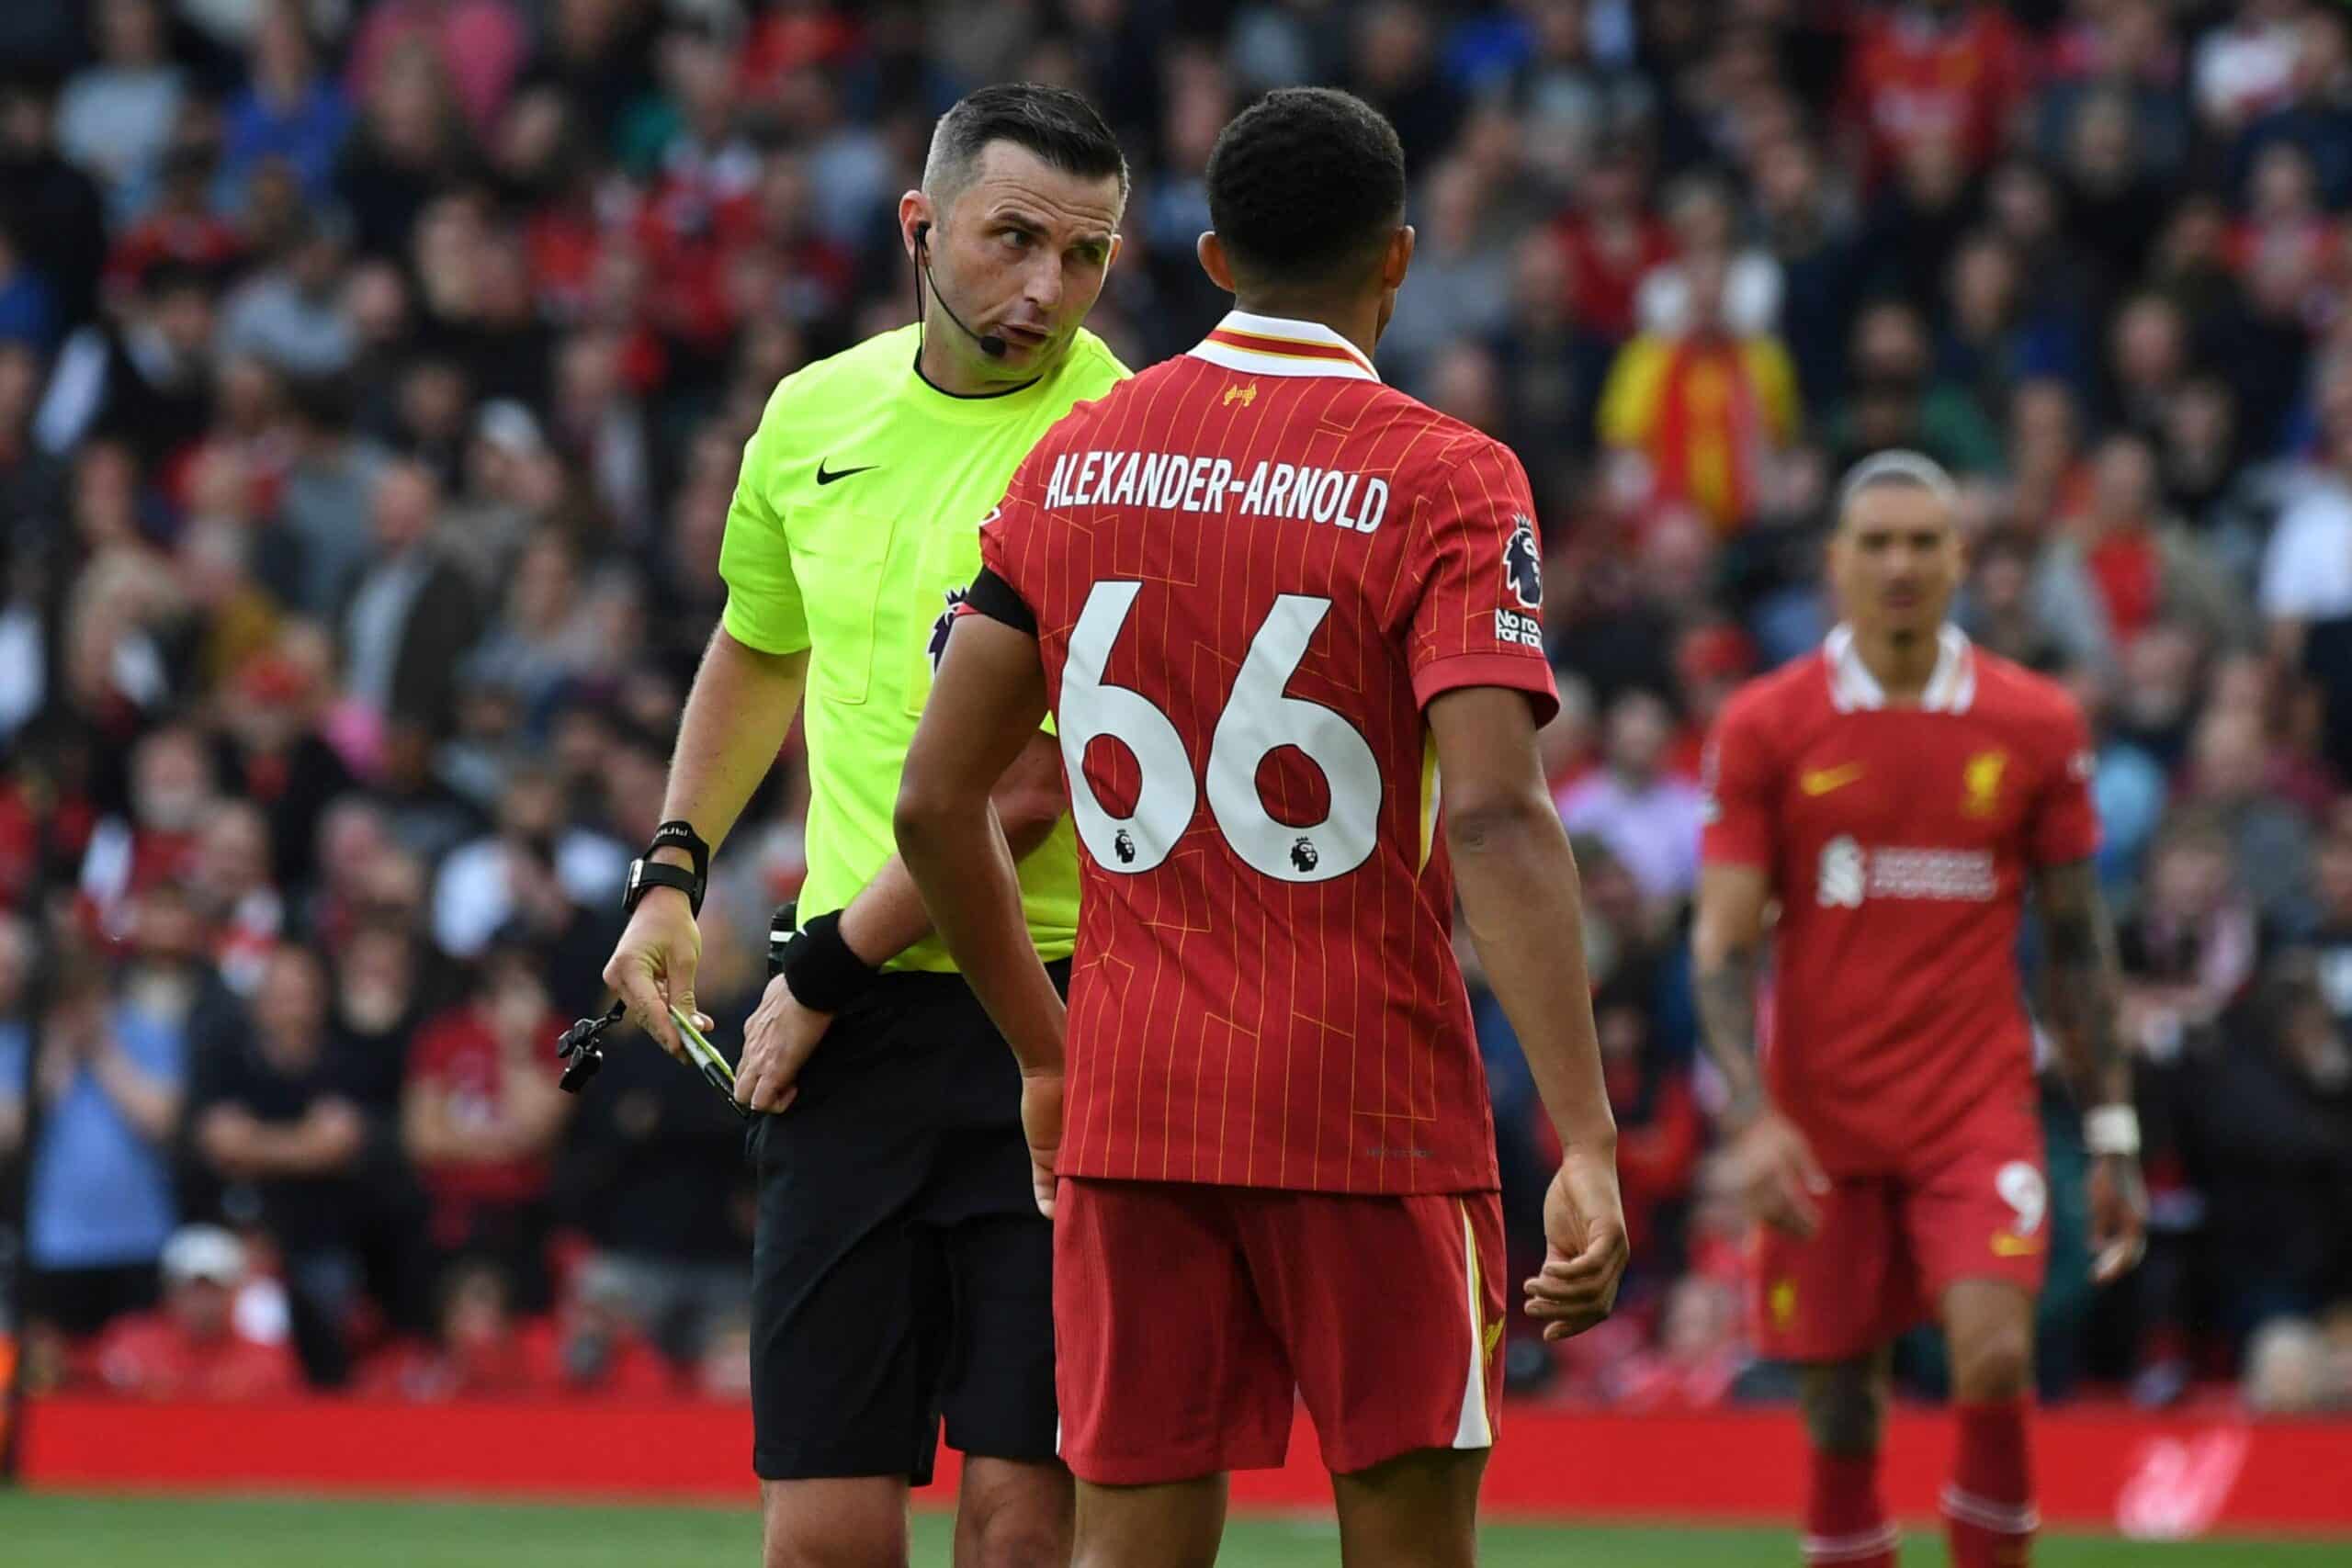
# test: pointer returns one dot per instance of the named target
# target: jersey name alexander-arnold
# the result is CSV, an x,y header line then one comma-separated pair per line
x,y
1173,482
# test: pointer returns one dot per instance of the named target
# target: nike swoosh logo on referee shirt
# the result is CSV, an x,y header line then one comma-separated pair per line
x,y
825,478
1821,780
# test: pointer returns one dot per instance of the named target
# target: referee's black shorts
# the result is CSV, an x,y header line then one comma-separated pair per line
x,y
900,1273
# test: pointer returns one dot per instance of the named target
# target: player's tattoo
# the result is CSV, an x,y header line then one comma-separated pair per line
x,y
2082,983
1726,999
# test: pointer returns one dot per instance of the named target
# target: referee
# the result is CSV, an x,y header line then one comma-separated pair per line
x,y
900,1270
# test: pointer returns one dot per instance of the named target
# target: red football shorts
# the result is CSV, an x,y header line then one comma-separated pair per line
x,y
1189,1319
1977,1207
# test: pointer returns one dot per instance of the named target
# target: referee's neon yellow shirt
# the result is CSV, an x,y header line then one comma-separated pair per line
x,y
859,570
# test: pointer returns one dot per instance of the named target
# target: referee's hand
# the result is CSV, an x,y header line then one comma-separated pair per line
x,y
653,967
777,1042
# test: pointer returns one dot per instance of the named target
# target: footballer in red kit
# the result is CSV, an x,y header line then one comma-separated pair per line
x,y
1899,796
1269,601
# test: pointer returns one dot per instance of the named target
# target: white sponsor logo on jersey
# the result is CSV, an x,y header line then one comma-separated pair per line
x,y
1850,874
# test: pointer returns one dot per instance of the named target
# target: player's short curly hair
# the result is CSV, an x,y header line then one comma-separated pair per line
x,y
1305,185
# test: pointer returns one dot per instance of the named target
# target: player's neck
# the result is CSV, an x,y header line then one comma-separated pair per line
x,y
1901,662
1358,320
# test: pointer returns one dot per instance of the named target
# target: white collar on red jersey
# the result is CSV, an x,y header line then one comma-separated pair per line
x,y
1951,687
1277,346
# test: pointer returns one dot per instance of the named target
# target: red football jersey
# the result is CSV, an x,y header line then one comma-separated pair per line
x,y
1911,79
1250,567
1899,842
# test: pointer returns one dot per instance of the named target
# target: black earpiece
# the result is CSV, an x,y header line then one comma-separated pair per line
x,y
990,343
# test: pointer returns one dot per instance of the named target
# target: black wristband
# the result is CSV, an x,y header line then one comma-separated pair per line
x,y
824,973
679,834
644,875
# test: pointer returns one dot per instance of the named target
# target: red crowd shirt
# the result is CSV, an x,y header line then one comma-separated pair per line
x,y
1912,76
1251,568
153,1357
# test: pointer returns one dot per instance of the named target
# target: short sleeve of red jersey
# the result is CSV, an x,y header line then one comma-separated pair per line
x,y
1009,535
2066,823
1479,621
1740,777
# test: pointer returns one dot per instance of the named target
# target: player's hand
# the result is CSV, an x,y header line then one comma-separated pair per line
x,y
654,966
2118,1217
1781,1181
777,1042
1585,1249
1041,1123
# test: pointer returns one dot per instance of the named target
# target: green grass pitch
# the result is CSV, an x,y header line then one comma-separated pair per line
x,y
49,1531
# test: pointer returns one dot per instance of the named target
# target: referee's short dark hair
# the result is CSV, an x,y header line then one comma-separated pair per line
x,y
1054,123
1305,185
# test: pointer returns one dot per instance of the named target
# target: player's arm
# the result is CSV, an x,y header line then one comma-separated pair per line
x,y
1779,1177
984,711
1517,880
835,957
1726,957
2081,985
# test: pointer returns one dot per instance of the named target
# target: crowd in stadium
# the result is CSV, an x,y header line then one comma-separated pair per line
x,y
373,376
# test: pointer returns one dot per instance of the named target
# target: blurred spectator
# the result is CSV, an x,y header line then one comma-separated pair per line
x,y
2276,1109
146,382
2192,949
290,112
108,1074
1997,332
488,884
2127,786
1701,1352
1702,410
1648,818
2316,114
2270,840
1611,242
2122,566
2245,67
477,1350
292,316
117,117
1459,286
2292,1369
57,213
2307,570
193,1348
481,43
412,613
1894,399
1947,69
274,1122
1699,212
481,1116
171,796
236,889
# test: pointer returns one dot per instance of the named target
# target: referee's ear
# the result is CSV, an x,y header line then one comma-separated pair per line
x,y
915,217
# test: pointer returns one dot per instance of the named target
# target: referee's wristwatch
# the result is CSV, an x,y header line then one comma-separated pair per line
x,y
645,873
